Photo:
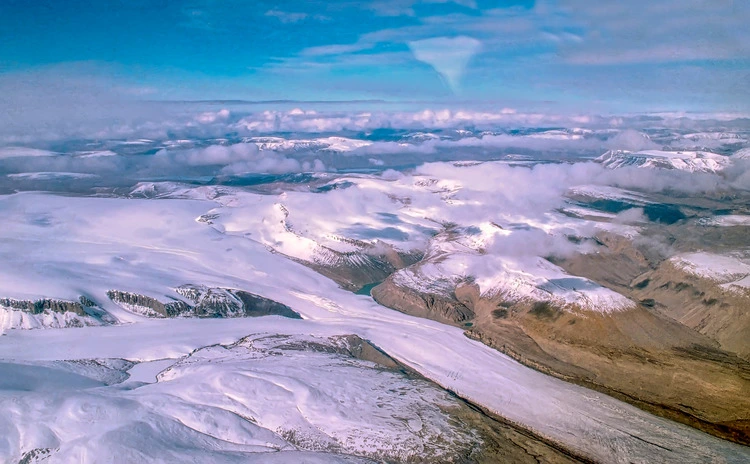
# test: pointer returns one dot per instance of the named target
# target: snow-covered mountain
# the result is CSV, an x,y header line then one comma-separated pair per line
x,y
692,161
50,313
333,144
697,136
731,273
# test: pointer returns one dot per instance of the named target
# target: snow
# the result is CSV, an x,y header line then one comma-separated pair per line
x,y
51,175
64,247
335,144
11,318
731,272
149,370
728,220
698,136
692,161
558,135
608,193
588,213
208,384
321,398
268,393
407,212
512,278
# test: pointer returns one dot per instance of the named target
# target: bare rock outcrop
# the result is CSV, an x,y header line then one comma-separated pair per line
x,y
50,313
202,301
440,307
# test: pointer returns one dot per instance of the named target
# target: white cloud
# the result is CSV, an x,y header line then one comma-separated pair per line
x,y
406,7
449,56
631,140
643,31
210,117
289,17
238,158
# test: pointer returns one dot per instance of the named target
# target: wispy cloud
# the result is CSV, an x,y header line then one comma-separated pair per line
x,y
407,7
447,55
196,18
656,32
672,54
288,17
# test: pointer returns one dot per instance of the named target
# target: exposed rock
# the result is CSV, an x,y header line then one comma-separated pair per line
x,y
255,305
493,439
693,161
146,305
36,455
203,302
700,303
712,307
42,305
49,313
615,264
637,355
443,308
357,269
86,301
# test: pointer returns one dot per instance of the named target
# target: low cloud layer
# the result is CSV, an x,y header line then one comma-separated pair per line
x,y
204,140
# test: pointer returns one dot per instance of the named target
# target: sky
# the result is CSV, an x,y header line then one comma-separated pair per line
x,y
682,55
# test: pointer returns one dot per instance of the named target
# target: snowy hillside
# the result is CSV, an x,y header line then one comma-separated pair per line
x,y
692,161
731,272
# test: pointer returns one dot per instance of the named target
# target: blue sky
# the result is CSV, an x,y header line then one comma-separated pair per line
x,y
577,54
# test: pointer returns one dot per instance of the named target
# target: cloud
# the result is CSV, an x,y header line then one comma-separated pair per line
x,y
287,17
69,101
650,55
406,7
210,117
682,54
22,152
448,56
33,169
335,121
196,18
240,158
632,140
655,32
631,216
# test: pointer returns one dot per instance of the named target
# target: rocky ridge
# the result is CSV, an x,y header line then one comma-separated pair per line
x,y
202,301
50,313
